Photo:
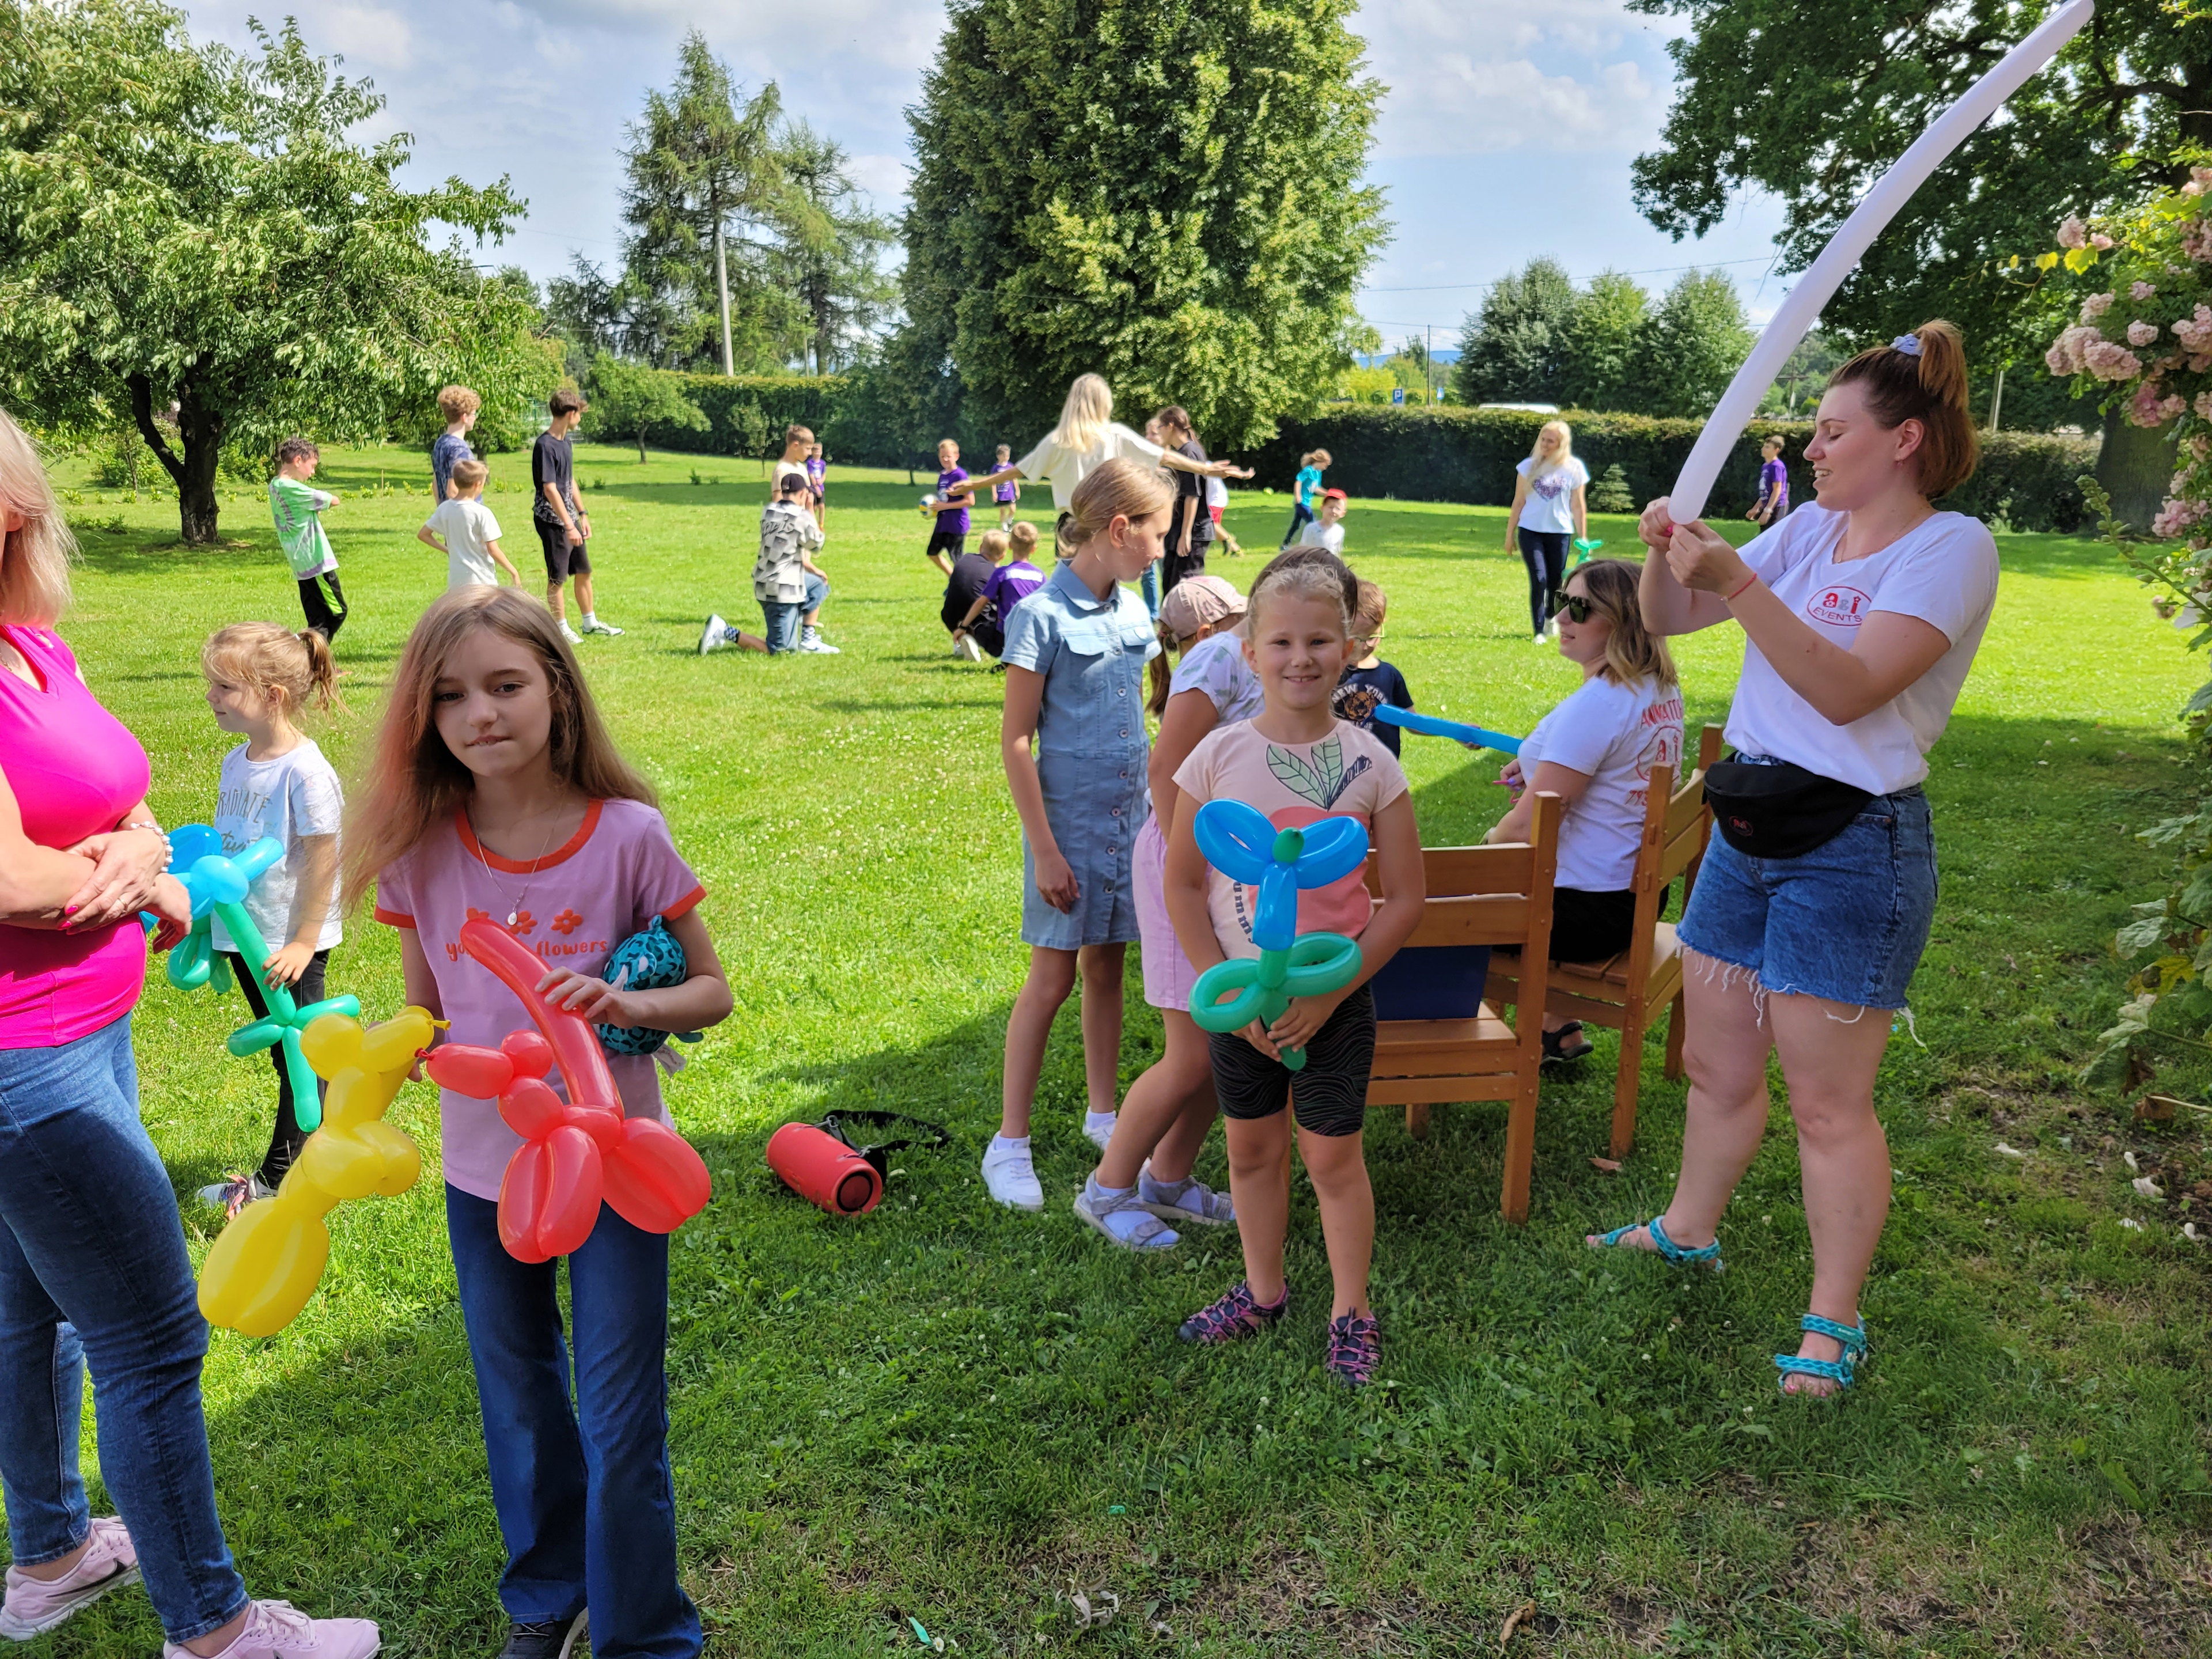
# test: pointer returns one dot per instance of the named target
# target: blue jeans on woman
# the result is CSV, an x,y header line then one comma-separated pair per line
x,y
781,622
584,1501
93,1266
1149,585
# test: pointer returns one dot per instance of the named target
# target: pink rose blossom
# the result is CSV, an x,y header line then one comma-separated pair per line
x,y
2141,290
2196,240
2200,445
2066,353
2195,333
2201,364
2107,362
2095,307
2072,232
2200,180
2143,407
2171,406
2141,333
2099,241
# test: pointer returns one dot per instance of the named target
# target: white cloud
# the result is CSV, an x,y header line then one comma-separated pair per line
x,y
372,37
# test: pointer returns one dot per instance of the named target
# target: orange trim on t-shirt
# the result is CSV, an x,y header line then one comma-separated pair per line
x,y
394,918
685,906
560,854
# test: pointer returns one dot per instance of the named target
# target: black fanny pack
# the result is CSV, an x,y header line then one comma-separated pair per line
x,y
1774,810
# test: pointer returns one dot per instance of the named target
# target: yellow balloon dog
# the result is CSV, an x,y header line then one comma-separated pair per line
x,y
271,1257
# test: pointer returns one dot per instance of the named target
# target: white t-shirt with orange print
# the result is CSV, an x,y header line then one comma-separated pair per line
x,y
619,871
1348,774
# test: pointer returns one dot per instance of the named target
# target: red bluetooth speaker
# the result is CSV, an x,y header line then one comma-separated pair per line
x,y
819,1161
825,1170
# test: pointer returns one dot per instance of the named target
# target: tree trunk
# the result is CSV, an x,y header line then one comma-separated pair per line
x,y
201,428
722,287
640,445
2135,467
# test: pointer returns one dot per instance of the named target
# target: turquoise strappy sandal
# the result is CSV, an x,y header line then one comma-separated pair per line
x,y
1669,1252
1838,1371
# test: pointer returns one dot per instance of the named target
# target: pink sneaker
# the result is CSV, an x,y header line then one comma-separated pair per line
x,y
278,1630
35,1606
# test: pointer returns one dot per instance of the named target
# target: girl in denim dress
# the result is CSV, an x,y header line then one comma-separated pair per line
x,y
1074,747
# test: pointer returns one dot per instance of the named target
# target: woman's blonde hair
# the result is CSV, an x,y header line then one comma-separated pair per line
x,y
273,658
1633,654
1114,489
1090,405
1537,465
414,782
34,584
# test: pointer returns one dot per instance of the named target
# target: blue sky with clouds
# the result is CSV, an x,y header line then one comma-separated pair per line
x,y
1507,130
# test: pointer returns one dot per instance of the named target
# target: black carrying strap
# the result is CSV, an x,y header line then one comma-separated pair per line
x,y
932,1134
1778,810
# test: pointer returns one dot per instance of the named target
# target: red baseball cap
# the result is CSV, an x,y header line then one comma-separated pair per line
x,y
1334,496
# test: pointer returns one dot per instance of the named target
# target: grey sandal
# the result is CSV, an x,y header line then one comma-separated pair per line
x,y
1144,1233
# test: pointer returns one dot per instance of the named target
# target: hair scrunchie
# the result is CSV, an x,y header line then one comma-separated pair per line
x,y
1907,344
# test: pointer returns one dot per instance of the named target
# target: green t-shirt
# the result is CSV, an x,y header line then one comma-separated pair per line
x,y
295,508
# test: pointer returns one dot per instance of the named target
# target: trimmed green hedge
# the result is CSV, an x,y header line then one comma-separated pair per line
x,y
1456,454
746,414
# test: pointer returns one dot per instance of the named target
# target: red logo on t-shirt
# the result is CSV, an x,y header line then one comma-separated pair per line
x,y
1838,607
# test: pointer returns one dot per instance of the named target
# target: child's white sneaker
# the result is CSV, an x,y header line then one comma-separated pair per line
x,y
966,649
715,635
593,625
570,634
811,642
1010,1176
1099,1128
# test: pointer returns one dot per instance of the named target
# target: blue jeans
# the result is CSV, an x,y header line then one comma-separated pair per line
x,y
1149,587
582,1491
780,620
1846,921
93,1266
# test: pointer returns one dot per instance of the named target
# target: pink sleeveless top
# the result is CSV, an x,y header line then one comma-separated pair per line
x,y
75,770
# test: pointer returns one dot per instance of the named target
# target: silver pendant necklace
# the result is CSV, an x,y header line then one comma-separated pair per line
x,y
515,907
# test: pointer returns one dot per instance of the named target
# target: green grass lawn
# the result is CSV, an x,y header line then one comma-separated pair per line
x,y
955,1414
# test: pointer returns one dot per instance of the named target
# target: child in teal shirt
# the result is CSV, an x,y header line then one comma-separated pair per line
x,y
298,507
1302,493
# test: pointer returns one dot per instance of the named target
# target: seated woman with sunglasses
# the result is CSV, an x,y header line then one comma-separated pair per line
x,y
1600,753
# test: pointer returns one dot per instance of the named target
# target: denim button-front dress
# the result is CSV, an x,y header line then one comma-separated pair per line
x,y
1091,752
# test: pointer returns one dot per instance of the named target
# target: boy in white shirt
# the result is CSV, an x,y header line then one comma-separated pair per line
x,y
472,533
1327,528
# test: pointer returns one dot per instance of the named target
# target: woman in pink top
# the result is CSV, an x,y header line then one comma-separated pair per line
x,y
93,1262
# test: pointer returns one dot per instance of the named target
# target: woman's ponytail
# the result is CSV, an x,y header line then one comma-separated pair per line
x,y
1922,376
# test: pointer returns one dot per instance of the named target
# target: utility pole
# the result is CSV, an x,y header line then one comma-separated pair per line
x,y
1996,398
722,283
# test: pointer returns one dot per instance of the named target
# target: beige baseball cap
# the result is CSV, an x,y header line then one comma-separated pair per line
x,y
1194,601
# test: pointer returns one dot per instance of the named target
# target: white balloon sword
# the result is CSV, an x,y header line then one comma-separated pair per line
x,y
1795,318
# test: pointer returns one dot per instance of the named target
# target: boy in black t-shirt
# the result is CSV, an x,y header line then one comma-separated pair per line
x,y
971,573
1370,683
564,527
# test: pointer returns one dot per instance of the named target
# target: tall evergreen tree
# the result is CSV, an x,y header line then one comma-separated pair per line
x,y
701,166
830,246
1514,351
1166,193
1693,342
1604,339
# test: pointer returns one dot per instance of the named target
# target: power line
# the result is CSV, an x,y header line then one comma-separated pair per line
x,y
1648,270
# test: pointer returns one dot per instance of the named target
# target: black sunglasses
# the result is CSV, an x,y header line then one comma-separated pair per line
x,y
1578,607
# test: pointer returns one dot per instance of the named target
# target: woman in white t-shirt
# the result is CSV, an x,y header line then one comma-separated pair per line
x,y
1600,753
1861,614
1548,509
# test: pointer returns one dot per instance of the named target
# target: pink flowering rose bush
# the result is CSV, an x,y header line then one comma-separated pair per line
x,y
2143,337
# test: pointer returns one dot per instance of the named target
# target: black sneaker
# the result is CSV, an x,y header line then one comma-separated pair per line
x,y
554,1638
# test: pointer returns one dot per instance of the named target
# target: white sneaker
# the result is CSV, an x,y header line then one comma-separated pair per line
x,y
1099,1128
811,642
1010,1176
593,625
715,635
1542,640
278,1630
966,649
570,634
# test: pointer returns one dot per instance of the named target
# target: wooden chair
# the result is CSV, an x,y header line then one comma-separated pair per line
x,y
1625,993
1488,895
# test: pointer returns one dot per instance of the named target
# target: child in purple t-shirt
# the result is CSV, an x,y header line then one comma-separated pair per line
x,y
985,622
949,540
1008,494
1773,485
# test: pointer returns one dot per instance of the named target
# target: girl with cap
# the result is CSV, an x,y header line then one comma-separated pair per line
x,y
1169,1110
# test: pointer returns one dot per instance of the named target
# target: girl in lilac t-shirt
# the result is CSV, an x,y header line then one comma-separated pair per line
x,y
496,793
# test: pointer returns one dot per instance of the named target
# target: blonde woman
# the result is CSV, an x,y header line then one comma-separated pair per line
x,y
1548,509
1087,437
93,1261
1619,736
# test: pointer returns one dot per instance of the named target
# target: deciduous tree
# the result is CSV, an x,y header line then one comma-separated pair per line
x,y
185,226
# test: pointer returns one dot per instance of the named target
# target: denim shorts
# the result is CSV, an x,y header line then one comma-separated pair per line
x,y
1846,921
